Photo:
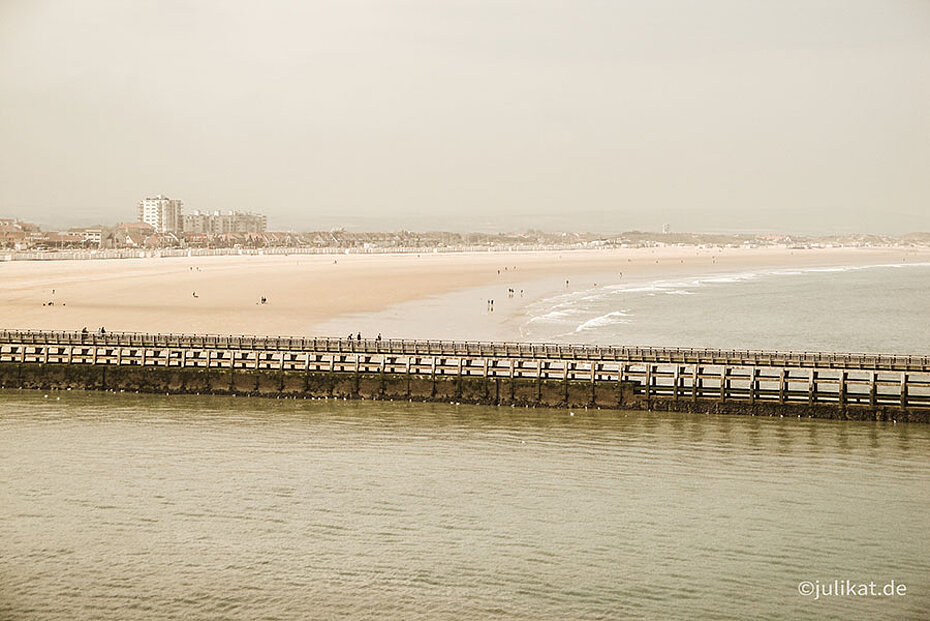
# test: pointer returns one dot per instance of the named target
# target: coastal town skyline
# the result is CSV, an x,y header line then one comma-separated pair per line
x,y
165,215
161,224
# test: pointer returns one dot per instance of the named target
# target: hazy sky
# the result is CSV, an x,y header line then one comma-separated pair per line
x,y
793,115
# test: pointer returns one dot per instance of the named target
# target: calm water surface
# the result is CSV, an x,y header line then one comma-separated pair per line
x,y
138,507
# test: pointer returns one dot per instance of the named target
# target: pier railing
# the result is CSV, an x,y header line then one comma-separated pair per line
x,y
501,373
546,351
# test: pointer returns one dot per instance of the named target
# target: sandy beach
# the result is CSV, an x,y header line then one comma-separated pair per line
x,y
306,293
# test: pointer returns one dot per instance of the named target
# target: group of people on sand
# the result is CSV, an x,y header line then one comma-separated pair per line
x,y
51,302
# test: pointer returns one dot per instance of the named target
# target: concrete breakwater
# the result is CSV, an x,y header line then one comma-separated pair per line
x,y
821,385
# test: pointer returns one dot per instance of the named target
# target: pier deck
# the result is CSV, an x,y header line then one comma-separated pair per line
x,y
820,384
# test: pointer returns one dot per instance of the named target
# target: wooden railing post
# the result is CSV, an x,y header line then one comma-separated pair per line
x,y
842,389
904,391
782,385
695,382
649,366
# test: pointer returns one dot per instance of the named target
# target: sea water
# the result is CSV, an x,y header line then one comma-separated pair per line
x,y
874,308
879,308
117,506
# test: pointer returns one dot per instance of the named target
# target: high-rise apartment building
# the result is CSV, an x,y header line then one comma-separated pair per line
x,y
217,223
161,212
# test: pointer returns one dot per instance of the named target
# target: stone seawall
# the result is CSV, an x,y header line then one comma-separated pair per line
x,y
278,383
554,393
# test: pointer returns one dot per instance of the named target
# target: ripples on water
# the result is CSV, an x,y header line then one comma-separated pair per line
x,y
129,506
878,308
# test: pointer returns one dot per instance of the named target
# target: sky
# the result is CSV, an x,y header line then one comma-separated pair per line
x,y
804,116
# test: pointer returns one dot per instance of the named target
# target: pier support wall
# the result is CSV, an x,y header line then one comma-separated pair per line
x,y
504,391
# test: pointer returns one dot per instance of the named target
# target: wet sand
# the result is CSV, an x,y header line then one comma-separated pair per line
x,y
306,293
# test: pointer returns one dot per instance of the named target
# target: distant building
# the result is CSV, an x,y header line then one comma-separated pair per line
x,y
221,223
136,227
666,228
162,213
129,234
91,236
17,234
15,224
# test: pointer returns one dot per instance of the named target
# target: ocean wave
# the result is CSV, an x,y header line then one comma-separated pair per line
x,y
615,317
731,278
556,315
564,310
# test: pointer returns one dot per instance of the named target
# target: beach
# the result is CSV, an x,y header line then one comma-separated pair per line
x,y
306,294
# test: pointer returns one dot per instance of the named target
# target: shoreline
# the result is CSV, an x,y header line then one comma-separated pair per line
x,y
306,294
463,314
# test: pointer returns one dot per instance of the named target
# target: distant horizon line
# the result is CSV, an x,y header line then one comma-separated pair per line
x,y
46,227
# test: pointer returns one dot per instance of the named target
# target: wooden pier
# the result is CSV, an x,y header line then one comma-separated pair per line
x,y
832,385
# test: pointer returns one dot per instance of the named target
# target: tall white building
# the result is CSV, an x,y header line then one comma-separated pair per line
x,y
162,213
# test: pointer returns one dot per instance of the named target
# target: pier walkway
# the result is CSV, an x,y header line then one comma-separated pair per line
x,y
652,375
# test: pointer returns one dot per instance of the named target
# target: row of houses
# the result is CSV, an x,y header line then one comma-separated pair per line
x,y
18,235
